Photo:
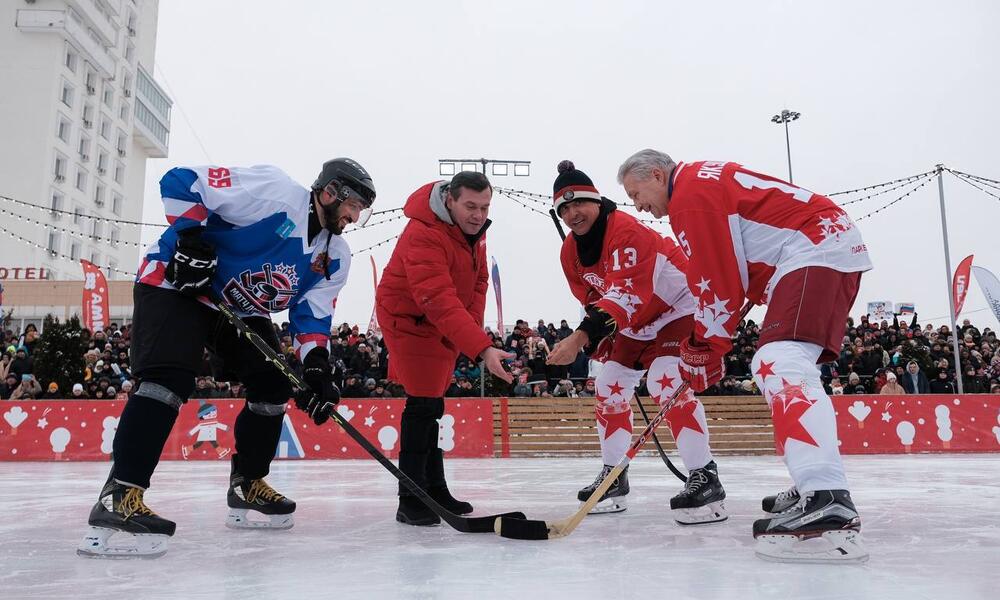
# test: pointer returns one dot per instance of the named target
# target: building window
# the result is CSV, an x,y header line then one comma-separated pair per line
x,y
84,148
102,161
96,229
74,250
63,129
56,205
95,257
127,84
59,168
116,203
98,194
106,127
121,143
112,268
119,173
88,116
53,243
67,94
129,52
81,179
70,60
90,79
123,111
115,234
77,215
109,96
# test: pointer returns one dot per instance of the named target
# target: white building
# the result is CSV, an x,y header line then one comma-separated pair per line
x,y
80,114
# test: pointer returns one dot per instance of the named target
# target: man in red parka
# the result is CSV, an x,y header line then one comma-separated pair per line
x,y
430,304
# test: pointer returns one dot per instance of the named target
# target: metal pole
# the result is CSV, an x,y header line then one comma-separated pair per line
x,y
788,148
947,276
482,379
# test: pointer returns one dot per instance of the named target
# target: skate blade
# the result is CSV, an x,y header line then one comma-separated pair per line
x,y
239,518
713,512
143,545
841,546
611,505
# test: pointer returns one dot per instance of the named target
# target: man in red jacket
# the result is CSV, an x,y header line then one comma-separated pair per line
x,y
748,235
430,304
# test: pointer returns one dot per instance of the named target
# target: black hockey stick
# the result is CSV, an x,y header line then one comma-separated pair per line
x,y
463,524
642,409
530,529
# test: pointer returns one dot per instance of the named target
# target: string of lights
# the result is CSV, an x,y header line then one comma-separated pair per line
x,y
81,215
51,227
370,225
373,246
519,202
886,190
388,210
531,198
879,185
970,181
59,255
981,179
900,198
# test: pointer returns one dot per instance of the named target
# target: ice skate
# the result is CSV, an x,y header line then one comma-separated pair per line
x,y
702,500
120,513
246,495
823,527
613,500
782,501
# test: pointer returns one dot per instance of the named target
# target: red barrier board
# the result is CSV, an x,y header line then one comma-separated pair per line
x,y
84,430
919,423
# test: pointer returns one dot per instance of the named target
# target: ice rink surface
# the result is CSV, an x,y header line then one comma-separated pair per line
x,y
931,523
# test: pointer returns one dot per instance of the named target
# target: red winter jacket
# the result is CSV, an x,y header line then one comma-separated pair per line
x,y
432,297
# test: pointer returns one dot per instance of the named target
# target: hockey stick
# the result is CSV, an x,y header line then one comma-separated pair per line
x,y
642,409
528,529
464,524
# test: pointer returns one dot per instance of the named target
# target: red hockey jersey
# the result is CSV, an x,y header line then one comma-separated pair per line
x,y
639,279
743,231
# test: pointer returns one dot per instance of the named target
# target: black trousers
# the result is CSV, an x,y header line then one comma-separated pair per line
x,y
170,333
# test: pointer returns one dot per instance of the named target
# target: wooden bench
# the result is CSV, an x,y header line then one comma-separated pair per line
x,y
566,426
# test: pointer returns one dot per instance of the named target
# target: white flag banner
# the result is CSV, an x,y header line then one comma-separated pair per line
x,y
880,310
990,285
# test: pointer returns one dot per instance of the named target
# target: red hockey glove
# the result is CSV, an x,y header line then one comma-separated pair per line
x,y
700,366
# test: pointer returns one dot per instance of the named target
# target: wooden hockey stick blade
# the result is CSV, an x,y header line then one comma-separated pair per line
x,y
463,524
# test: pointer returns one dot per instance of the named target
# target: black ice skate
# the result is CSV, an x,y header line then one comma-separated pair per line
x,y
782,501
247,495
613,500
702,500
120,510
823,527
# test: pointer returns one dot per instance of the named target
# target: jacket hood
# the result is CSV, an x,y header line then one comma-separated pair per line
x,y
427,204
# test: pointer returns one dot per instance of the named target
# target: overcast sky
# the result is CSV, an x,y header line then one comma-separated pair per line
x,y
886,90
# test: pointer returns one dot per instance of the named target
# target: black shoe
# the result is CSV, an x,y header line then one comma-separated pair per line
x,y
701,500
412,511
816,512
782,501
247,494
613,499
437,487
121,507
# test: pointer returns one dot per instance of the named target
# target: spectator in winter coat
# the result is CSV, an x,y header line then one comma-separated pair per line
x,y
28,390
891,387
943,384
914,381
52,393
10,383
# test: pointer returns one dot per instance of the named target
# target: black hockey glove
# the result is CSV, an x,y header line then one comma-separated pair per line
x,y
193,265
322,396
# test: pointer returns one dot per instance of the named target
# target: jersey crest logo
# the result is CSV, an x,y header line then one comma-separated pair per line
x,y
271,289
594,280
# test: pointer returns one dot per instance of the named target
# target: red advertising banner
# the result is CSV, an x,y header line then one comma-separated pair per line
x,y
960,283
95,297
84,430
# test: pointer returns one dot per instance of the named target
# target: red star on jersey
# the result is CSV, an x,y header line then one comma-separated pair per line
x,y
681,416
665,382
764,370
612,422
614,388
787,407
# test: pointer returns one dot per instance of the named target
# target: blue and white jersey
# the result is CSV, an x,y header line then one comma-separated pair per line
x,y
258,220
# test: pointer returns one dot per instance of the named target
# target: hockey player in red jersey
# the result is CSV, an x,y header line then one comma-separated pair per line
x,y
752,236
631,281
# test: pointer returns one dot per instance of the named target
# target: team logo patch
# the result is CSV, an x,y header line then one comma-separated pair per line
x,y
271,289
595,281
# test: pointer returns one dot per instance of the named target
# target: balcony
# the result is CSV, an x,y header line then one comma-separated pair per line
x,y
102,25
59,21
152,115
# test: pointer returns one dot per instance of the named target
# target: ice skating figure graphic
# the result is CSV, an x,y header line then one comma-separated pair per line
x,y
207,432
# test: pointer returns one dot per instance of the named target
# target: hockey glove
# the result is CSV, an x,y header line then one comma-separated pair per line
x,y
701,367
323,395
193,265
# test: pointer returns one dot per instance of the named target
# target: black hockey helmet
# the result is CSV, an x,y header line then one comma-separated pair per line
x,y
344,178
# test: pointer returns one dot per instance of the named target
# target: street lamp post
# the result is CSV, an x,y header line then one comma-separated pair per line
x,y
786,116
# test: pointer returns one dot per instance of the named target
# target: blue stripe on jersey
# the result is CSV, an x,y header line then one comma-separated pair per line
x,y
177,184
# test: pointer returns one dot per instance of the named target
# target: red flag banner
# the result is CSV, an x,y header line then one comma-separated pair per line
x,y
960,284
95,297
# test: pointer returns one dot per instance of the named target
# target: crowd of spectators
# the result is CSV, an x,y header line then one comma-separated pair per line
x,y
876,358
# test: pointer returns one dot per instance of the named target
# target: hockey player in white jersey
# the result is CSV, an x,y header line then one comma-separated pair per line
x,y
255,239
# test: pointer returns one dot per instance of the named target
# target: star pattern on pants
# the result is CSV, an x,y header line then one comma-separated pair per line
x,y
764,370
681,416
787,407
615,389
666,383
612,422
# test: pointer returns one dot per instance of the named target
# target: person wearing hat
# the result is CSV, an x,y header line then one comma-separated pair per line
x,y
78,392
260,242
52,392
630,281
752,237
431,304
914,381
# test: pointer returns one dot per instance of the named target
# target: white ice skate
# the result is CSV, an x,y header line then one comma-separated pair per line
x,y
844,546
98,544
